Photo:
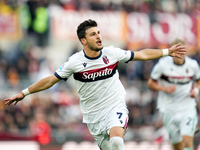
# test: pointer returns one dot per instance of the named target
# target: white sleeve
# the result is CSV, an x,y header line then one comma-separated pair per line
x,y
197,71
123,55
64,72
157,71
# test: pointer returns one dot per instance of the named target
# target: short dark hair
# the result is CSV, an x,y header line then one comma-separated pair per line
x,y
84,26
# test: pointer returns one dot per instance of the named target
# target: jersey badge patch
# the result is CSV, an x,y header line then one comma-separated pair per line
x,y
105,59
84,64
61,67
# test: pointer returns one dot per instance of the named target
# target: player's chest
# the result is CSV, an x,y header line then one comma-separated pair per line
x,y
98,64
90,71
177,75
174,70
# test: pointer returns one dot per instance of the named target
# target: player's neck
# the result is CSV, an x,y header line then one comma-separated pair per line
x,y
179,61
91,53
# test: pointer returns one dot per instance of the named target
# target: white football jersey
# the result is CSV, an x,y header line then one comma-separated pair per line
x,y
182,76
97,81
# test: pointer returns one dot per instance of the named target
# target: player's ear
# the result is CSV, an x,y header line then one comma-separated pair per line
x,y
83,41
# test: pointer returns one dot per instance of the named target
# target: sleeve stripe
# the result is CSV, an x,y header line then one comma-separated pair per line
x,y
131,58
56,74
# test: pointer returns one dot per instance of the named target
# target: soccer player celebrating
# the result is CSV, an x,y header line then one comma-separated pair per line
x,y
102,96
173,78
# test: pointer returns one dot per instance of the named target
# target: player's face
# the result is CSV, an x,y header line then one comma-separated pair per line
x,y
93,39
179,61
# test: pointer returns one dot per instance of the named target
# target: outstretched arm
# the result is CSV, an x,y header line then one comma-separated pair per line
x,y
41,85
148,54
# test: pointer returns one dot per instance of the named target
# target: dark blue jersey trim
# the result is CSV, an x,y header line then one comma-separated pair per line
x,y
92,58
65,79
132,56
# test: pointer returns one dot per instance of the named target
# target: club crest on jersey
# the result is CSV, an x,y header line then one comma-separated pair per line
x,y
105,59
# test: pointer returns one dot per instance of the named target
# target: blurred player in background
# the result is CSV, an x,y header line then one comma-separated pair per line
x,y
173,78
102,96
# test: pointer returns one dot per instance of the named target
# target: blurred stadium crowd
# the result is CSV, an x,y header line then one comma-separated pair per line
x,y
53,116
147,6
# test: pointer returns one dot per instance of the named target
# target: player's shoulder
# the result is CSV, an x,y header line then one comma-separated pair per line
x,y
189,59
191,62
76,56
109,48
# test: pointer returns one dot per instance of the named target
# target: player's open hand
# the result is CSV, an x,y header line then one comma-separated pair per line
x,y
177,50
15,99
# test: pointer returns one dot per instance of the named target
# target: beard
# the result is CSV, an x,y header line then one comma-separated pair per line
x,y
94,48
97,49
